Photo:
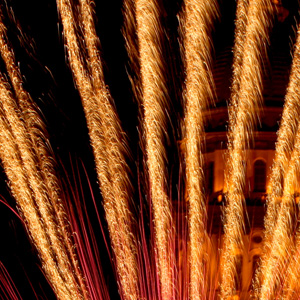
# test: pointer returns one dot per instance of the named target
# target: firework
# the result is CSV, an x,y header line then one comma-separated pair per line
x,y
7,286
131,43
198,20
240,134
107,141
154,103
240,33
290,278
41,185
280,218
282,244
167,251
285,143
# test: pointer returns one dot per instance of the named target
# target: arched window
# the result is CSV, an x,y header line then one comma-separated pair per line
x,y
259,176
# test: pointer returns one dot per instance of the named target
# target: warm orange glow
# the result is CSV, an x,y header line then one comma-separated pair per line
x,y
280,219
30,170
197,22
154,105
202,237
251,38
107,141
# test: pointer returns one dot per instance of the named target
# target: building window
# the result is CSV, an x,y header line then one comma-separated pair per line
x,y
259,176
209,177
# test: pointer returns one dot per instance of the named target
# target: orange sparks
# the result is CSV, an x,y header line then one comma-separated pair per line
x,y
240,133
108,141
199,16
154,104
279,220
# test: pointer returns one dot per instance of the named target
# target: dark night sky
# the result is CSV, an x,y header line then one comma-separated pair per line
x,y
35,34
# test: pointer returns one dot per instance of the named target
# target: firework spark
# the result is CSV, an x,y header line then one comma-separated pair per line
x,y
280,217
154,92
42,209
240,33
198,20
107,141
282,245
27,187
290,279
240,134
131,43
285,143
182,264
7,286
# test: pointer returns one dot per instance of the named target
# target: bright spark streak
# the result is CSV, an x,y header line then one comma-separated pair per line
x,y
29,141
36,130
240,134
280,218
154,103
199,16
131,44
282,245
285,143
291,288
240,34
116,147
108,141
27,188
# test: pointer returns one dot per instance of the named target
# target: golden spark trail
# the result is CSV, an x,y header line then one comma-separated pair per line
x,y
125,246
43,159
239,136
199,16
84,85
109,144
154,103
282,244
27,187
291,288
240,33
278,220
131,43
285,142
